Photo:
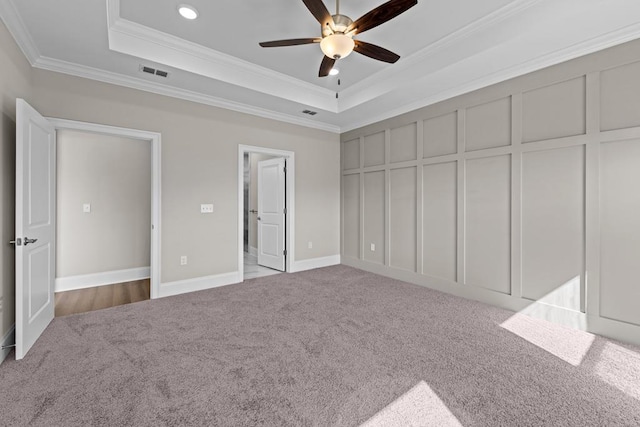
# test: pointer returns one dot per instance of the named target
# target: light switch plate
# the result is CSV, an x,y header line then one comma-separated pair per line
x,y
206,208
86,208
373,247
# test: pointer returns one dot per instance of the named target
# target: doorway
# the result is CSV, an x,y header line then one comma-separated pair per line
x,y
103,221
154,139
254,223
36,216
260,187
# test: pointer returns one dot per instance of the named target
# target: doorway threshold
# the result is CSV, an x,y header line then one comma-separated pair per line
x,y
252,270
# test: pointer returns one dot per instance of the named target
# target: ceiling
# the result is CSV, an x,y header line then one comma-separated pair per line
x,y
446,47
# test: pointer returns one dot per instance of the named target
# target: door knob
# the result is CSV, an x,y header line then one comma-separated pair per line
x,y
259,218
28,240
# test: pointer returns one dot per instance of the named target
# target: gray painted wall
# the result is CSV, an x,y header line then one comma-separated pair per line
x,y
199,161
113,175
199,165
514,194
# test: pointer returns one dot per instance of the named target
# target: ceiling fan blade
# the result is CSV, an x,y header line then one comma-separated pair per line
x,y
375,52
319,11
326,66
380,15
290,42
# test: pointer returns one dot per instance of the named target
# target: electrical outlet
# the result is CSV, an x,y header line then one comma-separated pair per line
x,y
206,208
373,247
86,208
310,245
183,260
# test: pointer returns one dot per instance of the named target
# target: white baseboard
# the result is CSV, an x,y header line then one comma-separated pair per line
x,y
595,324
615,329
310,264
98,279
253,251
8,339
198,284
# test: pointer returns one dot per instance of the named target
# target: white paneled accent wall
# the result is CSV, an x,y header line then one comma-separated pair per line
x,y
524,194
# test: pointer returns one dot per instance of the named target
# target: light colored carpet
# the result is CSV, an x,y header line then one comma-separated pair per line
x,y
330,347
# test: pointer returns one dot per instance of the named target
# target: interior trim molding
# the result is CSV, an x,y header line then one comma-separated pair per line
x,y
18,30
573,319
64,67
8,339
425,76
199,283
575,51
84,281
135,39
615,329
310,264
155,139
138,40
387,79
290,190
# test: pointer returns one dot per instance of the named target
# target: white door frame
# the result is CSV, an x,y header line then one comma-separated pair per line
x,y
154,138
290,205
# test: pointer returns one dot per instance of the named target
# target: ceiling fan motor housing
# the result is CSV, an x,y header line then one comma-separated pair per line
x,y
340,25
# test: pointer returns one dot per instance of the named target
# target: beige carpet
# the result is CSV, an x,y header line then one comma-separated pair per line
x,y
329,347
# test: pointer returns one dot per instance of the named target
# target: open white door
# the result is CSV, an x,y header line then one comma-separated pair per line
x,y
271,213
35,225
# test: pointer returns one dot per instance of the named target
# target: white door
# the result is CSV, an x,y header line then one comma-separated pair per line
x,y
271,213
35,225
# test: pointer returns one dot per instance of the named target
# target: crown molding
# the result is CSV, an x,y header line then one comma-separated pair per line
x,y
18,30
56,65
141,41
138,40
421,76
577,50
387,79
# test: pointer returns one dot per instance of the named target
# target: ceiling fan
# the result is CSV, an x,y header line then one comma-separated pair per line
x,y
338,30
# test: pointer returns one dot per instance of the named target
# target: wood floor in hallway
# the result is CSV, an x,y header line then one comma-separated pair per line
x,y
99,297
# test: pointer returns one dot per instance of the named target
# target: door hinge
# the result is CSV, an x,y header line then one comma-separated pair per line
x,y
284,252
285,211
285,169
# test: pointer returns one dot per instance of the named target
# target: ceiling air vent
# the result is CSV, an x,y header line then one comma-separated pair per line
x,y
151,70
309,112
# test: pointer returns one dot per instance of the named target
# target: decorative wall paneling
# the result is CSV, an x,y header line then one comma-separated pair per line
x,y
523,195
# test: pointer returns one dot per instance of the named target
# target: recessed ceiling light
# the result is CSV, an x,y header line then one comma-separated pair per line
x,y
187,12
334,72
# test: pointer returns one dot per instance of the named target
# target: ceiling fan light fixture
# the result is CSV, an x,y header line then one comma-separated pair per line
x,y
337,46
187,11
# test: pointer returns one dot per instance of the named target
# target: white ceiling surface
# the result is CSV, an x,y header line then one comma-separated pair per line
x,y
447,48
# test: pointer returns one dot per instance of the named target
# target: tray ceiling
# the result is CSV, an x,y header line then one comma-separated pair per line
x,y
447,48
